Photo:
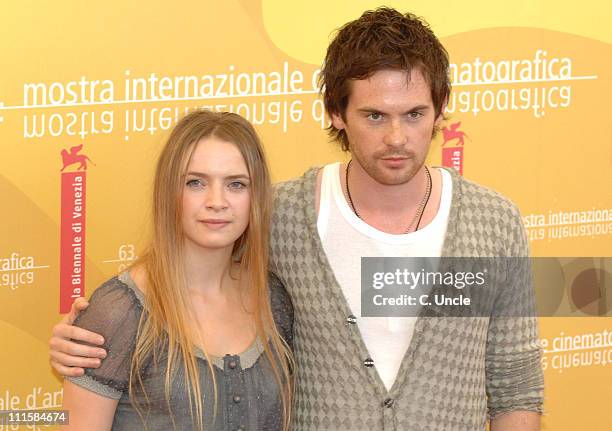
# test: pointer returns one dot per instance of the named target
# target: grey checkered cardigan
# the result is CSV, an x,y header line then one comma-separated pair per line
x,y
456,370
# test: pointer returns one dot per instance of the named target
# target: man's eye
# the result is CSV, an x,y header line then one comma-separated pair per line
x,y
415,115
375,116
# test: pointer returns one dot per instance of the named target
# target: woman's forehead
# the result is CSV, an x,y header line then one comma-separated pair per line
x,y
214,156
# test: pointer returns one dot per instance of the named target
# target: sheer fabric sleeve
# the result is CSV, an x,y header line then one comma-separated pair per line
x,y
114,312
282,308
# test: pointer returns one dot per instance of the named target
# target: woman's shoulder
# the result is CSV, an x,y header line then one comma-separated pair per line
x,y
282,307
114,303
115,310
118,290
279,297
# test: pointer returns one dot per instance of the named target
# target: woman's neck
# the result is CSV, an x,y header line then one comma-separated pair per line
x,y
209,272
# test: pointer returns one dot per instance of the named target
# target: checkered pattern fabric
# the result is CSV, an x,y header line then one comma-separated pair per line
x,y
456,370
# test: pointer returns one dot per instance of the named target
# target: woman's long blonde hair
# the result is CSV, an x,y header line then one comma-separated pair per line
x,y
169,312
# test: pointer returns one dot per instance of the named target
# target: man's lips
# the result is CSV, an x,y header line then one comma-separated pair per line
x,y
394,161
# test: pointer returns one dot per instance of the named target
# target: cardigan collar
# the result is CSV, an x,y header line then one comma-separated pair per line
x,y
336,294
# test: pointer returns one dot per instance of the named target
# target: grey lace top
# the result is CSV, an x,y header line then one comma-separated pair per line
x,y
247,393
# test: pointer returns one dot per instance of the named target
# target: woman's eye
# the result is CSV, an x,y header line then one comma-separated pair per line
x,y
237,185
195,183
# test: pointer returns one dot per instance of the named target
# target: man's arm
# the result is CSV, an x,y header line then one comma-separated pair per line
x,y
515,381
68,357
517,420
87,410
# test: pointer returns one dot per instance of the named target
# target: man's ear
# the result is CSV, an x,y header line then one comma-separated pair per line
x,y
337,121
440,117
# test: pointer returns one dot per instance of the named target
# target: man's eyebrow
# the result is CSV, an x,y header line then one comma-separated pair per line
x,y
368,109
419,108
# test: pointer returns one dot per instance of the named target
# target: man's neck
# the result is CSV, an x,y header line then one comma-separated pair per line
x,y
388,208
371,197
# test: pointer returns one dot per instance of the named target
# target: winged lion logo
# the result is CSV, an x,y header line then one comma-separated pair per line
x,y
73,157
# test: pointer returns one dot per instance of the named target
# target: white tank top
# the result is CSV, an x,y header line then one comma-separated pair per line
x,y
346,238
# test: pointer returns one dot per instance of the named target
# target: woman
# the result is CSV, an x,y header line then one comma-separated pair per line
x,y
190,329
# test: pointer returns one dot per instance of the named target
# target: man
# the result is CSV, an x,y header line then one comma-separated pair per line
x,y
385,88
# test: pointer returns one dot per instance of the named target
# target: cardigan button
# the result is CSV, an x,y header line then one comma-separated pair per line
x,y
237,398
388,403
369,362
351,320
231,365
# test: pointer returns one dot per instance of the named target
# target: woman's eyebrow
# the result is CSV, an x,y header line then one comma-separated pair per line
x,y
228,177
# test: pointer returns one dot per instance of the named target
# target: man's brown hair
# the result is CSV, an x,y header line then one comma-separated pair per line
x,y
381,39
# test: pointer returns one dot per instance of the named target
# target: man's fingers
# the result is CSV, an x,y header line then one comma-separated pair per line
x,y
68,347
66,331
67,371
78,305
71,361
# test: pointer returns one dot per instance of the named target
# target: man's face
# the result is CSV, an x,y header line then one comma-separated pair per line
x,y
389,122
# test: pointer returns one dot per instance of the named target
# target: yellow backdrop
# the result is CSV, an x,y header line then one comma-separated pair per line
x,y
101,83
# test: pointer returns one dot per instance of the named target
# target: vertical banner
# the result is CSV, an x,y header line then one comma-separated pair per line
x,y
452,157
72,229
528,99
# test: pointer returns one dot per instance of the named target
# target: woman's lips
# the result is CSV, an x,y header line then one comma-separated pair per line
x,y
215,223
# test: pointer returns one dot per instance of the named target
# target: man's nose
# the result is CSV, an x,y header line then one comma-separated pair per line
x,y
394,135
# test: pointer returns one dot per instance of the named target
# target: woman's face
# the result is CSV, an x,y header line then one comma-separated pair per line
x,y
216,198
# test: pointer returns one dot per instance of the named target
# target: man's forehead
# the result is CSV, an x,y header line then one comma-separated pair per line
x,y
413,77
391,85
